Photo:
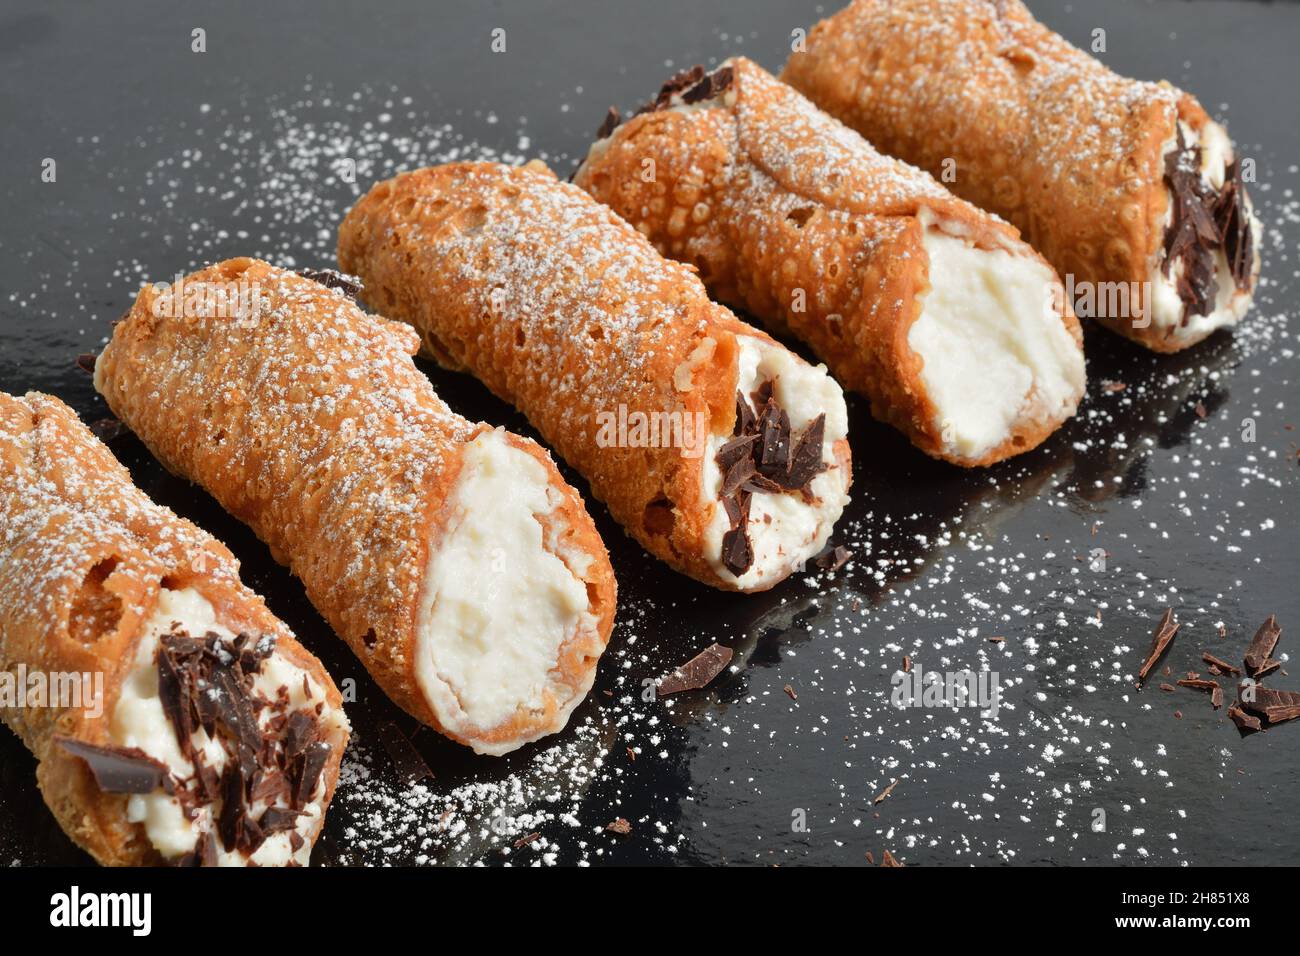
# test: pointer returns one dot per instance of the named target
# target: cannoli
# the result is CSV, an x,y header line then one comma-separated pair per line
x,y
718,449
956,330
1127,187
189,726
452,557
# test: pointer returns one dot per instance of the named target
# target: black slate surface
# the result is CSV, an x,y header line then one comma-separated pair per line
x,y
168,158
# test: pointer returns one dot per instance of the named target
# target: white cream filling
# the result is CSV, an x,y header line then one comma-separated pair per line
x,y
139,721
784,530
1230,303
498,600
995,351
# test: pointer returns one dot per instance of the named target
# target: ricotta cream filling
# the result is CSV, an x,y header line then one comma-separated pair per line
x,y
138,720
784,530
995,351
499,597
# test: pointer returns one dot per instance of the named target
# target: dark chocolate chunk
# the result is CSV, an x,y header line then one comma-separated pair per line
x,y
735,449
745,419
1232,217
278,819
107,429
1160,641
350,286
806,462
1193,235
1261,645
1274,706
232,806
308,770
1246,723
301,731
408,763
833,557
735,476
86,362
117,769
1220,663
698,672
737,550
611,122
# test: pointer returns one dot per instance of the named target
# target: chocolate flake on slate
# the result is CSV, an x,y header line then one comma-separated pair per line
x,y
350,286
1198,683
1220,663
1274,706
888,860
86,362
107,429
1216,697
833,557
1160,642
1246,723
698,672
763,457
117,769
1261,645
1268,667
408,763
619,826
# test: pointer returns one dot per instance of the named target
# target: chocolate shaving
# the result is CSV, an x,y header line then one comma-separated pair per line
x,y
1246,723
278,819
833,557
1192,236
698,672
307,771
619,826
117,769
1262,645
806,462
763,457
1220,663
232,806
86,362
1268,667
107,429
209,684
1202,222
1274,706
408,763
1160,641
611,122
887,859
1233,220
350,286
693,86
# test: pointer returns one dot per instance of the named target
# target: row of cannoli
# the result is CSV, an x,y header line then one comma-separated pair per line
x,y
454,560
